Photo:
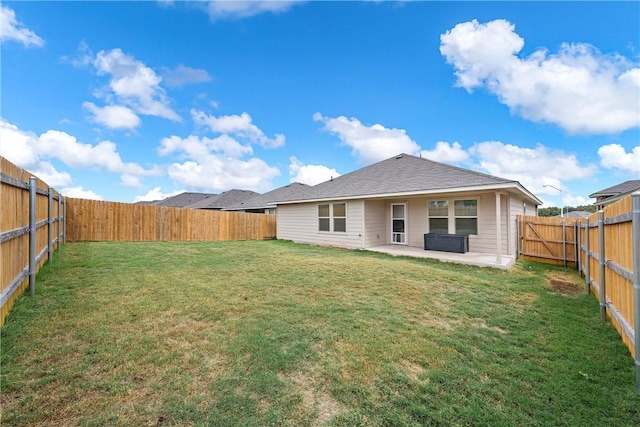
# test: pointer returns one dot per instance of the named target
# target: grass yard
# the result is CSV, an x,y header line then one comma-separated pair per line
x,y
274,333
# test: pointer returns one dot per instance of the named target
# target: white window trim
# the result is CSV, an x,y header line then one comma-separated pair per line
x,y
331,218
452,213
439,216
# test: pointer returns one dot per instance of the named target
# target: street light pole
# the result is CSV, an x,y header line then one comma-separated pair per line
x,y
561,199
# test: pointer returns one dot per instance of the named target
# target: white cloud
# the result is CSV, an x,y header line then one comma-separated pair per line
x,y
614,156
30,151
578,88
14,30
80,193
196,147
238,125
49,174
236,9
446,153
216,164
369,144
220,173
133,84
113,116
532,167
183,75
310,174
156,194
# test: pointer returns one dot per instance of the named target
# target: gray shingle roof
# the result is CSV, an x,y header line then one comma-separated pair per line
x,y
625,187
262,201
183,199
400,174
223,200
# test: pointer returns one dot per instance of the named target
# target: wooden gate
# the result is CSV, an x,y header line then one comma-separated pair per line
x,y
550,239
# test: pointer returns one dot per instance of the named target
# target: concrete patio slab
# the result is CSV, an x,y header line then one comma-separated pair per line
x,y
470,258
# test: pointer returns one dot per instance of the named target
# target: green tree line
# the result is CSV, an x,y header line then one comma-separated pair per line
x,y
553,211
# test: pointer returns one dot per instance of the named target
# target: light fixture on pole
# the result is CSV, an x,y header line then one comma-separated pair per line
x,y
561,199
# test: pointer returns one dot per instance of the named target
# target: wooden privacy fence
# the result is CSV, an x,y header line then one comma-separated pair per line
x,y
92,220
605,248
31,226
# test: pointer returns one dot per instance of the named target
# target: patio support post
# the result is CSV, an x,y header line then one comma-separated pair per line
x,y
636,280
498,230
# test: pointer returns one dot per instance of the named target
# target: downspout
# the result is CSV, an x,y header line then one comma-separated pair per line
x,y
636,280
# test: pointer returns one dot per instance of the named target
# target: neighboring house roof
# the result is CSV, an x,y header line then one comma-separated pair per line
x,y
223,200
575,214
617,190
264,201
183,199
404,175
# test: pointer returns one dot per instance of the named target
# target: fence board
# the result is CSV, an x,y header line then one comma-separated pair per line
x,y
15,214
92,220
618,257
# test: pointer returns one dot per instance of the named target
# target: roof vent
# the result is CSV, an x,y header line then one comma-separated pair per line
x,y
399,157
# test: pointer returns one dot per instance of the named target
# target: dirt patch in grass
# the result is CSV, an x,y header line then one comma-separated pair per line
x,y
563,283
314,400
413,370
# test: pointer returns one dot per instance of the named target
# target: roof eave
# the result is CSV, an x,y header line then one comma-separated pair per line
x,y
504,186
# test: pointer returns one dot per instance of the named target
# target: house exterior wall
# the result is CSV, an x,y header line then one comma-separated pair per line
x,y
299,222
369,222
376,229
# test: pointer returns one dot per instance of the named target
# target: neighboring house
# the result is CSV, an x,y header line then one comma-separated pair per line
x,y
398,200
180,200
223,200
263,203
615,193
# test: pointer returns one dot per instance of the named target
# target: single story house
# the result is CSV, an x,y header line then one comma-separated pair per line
x,y
613,194
223,200
180,200
262,203
398,200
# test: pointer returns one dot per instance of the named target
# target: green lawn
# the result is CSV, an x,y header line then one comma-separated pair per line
x,y
274,333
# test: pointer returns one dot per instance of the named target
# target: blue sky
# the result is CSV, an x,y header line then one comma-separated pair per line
x,y
131,101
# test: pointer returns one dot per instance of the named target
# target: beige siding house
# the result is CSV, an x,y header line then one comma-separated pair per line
x,y
399,200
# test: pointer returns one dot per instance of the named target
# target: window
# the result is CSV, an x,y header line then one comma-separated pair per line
x,y
335,214
323,218
340,217
439,217
466,216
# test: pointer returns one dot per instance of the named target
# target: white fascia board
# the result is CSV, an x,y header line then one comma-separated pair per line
x,y
511,185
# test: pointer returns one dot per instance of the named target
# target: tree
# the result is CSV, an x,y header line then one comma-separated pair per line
x,y
552,211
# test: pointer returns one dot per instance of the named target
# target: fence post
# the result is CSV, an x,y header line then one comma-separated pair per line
x,y
601,260
32,234
587,258
50,227
64,220
518,237
576,244
636,280
564,243
59,220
